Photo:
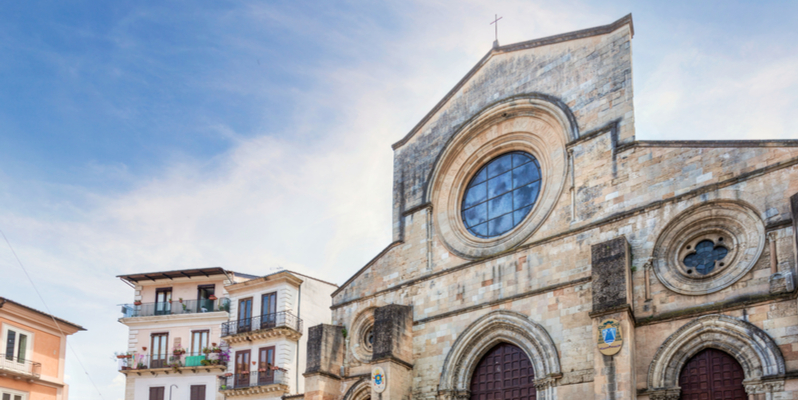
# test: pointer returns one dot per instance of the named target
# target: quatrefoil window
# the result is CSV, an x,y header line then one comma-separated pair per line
x,y
706,257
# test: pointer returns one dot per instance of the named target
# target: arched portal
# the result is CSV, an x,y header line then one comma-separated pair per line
x,y
505,372
712,374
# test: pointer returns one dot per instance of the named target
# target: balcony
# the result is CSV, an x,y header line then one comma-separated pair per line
x,y
265,326
19,368
175,308
274,381
154,364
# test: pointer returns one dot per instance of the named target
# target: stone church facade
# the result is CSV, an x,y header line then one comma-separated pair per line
x,y
528,220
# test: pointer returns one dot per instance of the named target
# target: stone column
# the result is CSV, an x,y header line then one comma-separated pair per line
x,y
612,295
392,350
324,356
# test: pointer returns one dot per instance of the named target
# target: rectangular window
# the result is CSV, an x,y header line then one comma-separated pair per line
x,y
9,394
163,301
269,305
197,392
158,350
204,304
245,314
266,360
157,393
199,342
17,344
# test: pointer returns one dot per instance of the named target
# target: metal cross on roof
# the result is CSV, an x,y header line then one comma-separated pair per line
x,y
495,26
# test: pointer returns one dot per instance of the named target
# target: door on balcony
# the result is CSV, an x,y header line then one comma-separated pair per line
x,y
158,350
242,369
18,344
245,314
204,304
163,301
268,310
199,343
156,393
266,360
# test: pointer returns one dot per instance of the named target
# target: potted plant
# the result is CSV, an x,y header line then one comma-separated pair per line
x,y
178,352
144,348
212,297
141,365
228,375
137,302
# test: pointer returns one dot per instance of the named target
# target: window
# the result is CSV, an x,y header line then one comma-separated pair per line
x,y
163,301
158,350
706,256
204,303
197,392
9,394
266,360
199,342
245,313
368,339
18,344
157,393
268,308
501,194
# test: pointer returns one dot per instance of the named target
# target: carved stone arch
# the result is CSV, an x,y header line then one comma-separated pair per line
x,y
361,390
537,124
482,335
759,356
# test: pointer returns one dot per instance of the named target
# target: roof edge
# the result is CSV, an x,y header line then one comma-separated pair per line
x,y
75,326
364,268
564,37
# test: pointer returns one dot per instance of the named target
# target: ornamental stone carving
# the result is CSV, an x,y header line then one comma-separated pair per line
x,y
708,247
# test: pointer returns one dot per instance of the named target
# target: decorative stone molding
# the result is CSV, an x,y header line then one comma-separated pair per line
x,y
530,124
764,387
755,351
664,394
358,329
264,334
361,390
491,329
730,224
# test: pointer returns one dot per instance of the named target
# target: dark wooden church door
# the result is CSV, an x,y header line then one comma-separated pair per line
x,y
714,375
506,373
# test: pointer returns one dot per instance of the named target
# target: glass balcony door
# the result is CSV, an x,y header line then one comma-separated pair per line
x,y
163,301
242,369
204,304
245,314
266,360
158,350
268,308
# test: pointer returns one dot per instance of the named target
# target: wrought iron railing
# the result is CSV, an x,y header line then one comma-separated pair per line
x,y
21,366
175,307
283,319
249,379
150,361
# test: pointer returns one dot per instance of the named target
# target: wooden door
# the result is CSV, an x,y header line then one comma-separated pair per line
x,y
268,309
242,368
245,315
266,359
158,350
197,392
712,374
506,373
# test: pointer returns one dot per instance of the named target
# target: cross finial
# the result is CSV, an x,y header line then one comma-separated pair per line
x,y
496,43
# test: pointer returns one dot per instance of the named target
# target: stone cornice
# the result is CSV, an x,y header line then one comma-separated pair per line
x,y
263,334
222,316
279,277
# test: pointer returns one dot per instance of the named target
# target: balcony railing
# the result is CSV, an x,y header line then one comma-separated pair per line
x,y
175,307
20,366
283,319
149,361
254,379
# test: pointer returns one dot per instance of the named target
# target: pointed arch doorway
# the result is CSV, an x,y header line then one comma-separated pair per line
x,y
504,372
712,374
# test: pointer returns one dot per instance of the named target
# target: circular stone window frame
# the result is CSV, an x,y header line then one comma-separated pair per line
x,y
743,234
535,126
364,322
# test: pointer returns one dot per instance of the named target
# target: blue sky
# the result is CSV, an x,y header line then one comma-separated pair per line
x,y
140,136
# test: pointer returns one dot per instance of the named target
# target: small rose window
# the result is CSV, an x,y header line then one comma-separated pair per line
x,y
706,257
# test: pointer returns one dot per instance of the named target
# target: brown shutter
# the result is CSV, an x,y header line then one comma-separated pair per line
x,y
198,392
157,393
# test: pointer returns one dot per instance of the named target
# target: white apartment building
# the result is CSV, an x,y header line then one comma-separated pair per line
x,y
174,349
265,333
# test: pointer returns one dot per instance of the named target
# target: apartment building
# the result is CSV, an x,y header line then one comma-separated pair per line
x,y
265,333
34,346
174,349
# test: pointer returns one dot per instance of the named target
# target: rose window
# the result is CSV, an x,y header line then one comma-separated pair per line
x,y
706,257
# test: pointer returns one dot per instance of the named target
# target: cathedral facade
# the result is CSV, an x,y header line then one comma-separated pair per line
x,y
540,251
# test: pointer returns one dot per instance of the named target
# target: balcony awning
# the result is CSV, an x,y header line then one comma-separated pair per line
x,y
183,273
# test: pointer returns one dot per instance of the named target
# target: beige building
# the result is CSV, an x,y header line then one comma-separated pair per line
x,y
541,251
174,327
265,333
33,355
